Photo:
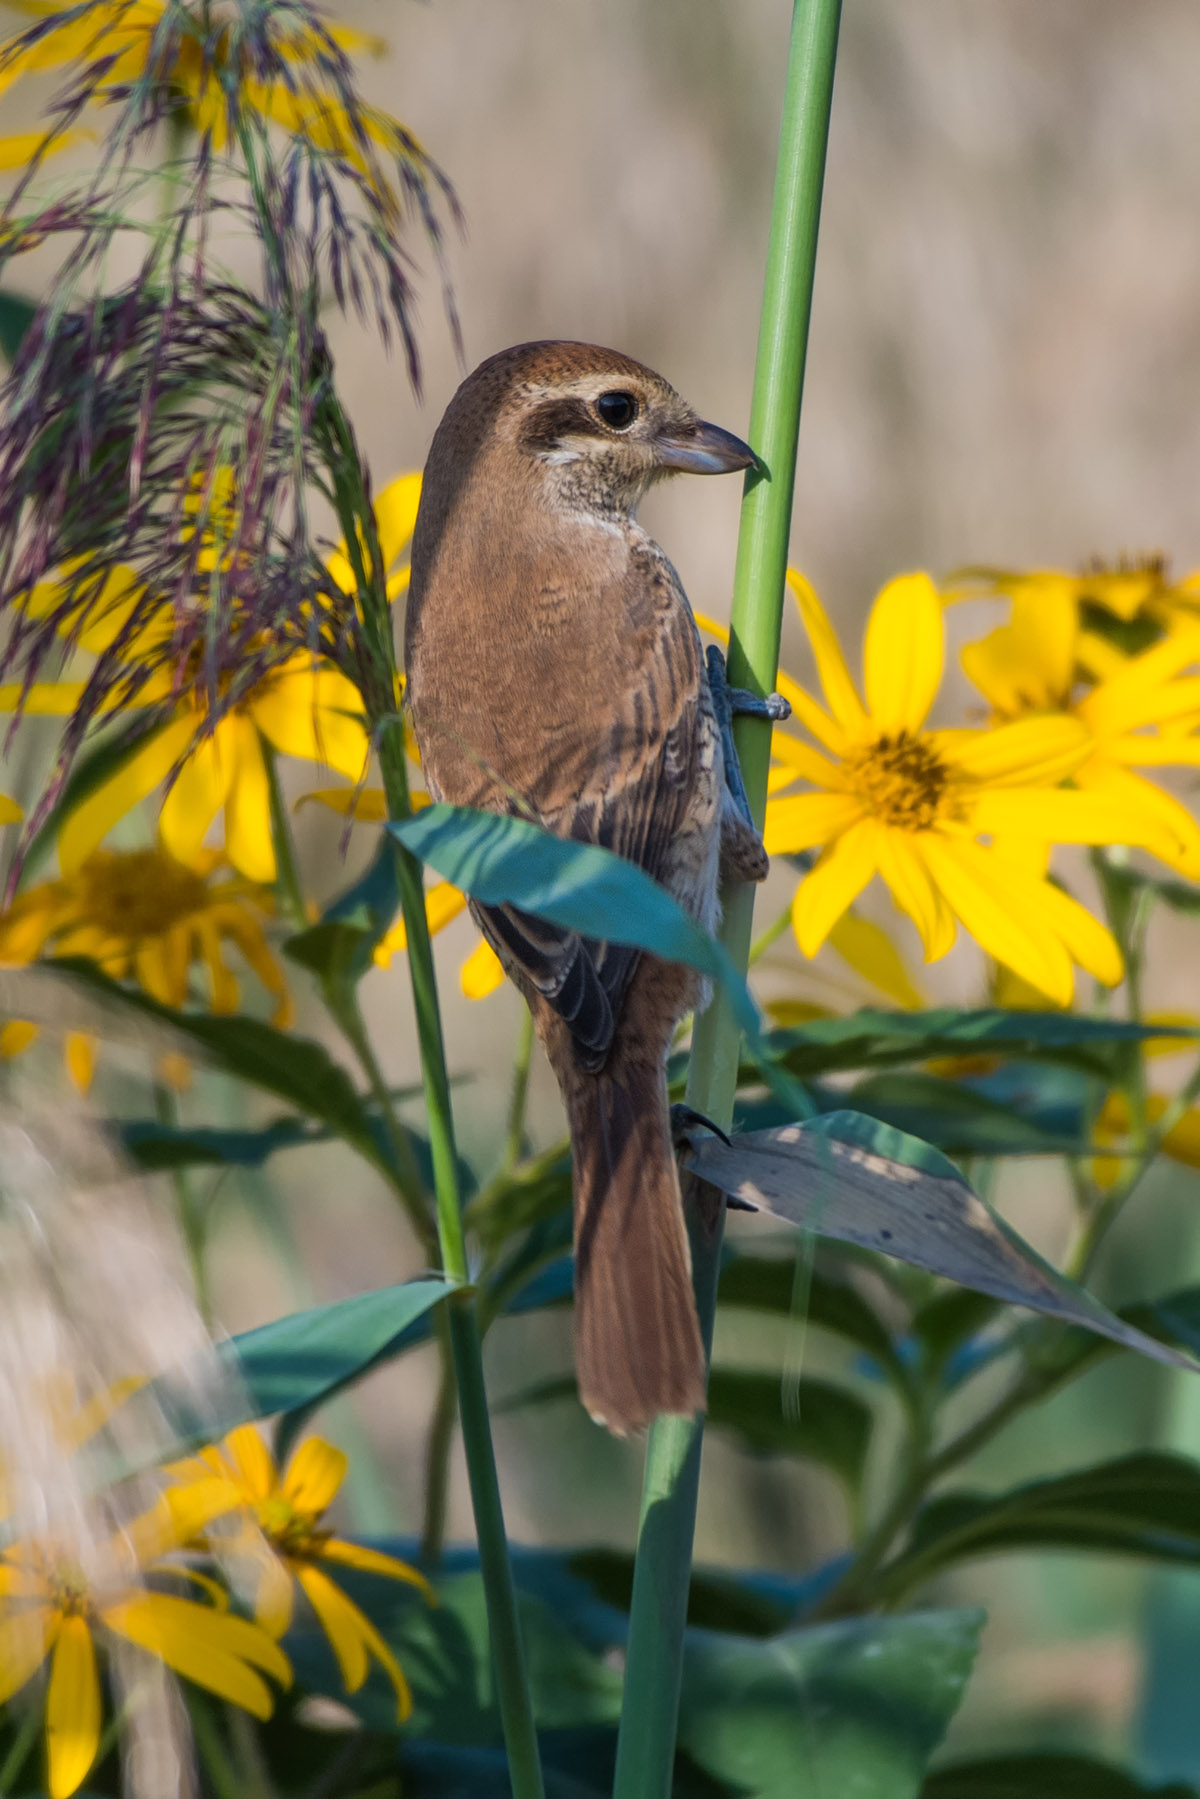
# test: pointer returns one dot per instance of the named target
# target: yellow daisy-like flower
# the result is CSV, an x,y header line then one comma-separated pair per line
x,y
121,41
50,1608
922,808
141,915
1137,714
286,1511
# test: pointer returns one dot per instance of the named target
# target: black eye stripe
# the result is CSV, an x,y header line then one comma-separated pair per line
x,y
618,409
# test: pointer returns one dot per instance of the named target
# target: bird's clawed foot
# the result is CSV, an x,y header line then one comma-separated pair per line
x,y
685,1121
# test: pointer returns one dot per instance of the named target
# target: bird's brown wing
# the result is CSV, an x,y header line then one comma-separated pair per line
x,y
643,769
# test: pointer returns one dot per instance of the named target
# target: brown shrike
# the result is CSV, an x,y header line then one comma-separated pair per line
x,y
554,671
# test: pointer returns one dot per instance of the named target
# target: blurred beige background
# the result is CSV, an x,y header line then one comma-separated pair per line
x,y
1004,366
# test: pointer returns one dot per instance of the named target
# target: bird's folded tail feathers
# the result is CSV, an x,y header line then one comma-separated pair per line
x,y
637,1339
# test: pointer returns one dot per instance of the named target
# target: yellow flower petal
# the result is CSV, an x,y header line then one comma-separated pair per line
x,y
872,954
248,840
275,1593
80,1053
904,654
482,973
313,1476
909,883
10,812
199,791
374,1561
252,1461
1058,815
979,888
443,903
799,821
801,760
216,1650
16,1036
72,1709
366,805
25,1641
134,781
341,1621
352,1634
1032,752
312,711
840,691
834,885
396,515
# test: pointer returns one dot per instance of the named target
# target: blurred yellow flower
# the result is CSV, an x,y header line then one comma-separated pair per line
x,y
1136,588
51,1607
922,808
239,1479
1181,1143
124,41
141,915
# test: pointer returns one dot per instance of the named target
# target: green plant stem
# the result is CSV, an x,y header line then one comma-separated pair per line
x,y
406,1177
504,1627
287,880
437,1453
514,1140
654,1665
768,938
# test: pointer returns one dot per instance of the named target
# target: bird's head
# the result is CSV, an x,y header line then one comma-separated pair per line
x,y
593,428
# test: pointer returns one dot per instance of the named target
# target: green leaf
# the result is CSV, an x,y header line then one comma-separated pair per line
x,y
878,1039
1144,1505
16,316
958,1118
768,1284
819,1422
160,1147
292,1068
300,1361
339,950
858,1181
580,887
827,1425
1043,1776
853,1709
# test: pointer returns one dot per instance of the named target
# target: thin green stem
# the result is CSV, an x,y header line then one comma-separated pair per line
x,y
767,939
288,888
504,1626
514,1140
406,1178
654,1666
437,1452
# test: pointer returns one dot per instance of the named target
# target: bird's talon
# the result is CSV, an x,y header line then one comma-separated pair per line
x,y
685,1120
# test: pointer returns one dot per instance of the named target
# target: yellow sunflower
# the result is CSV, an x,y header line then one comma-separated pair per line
x,y
923,808
239,1480
51,1608
1140,713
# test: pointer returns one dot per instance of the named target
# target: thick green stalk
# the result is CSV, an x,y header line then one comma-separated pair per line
x,y
654,1668
504,1627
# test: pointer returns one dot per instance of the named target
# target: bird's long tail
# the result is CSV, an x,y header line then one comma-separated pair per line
x,y
637,1340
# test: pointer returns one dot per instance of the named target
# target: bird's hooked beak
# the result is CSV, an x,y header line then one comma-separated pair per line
x,y
704,449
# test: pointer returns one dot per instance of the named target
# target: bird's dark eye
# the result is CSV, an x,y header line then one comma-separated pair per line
x,y
618,410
